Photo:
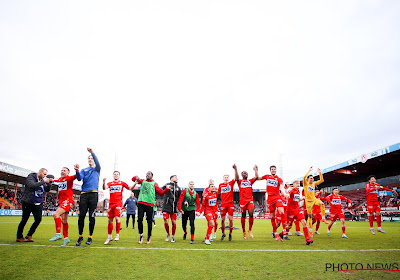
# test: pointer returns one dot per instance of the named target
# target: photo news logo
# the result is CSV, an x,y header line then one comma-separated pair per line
x,y
334,267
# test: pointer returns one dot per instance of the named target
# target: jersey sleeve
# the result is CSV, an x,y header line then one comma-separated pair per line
x,y
125,185
252,180
181,197
345,198
264,177
328,198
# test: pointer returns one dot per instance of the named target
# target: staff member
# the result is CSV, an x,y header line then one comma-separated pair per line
x,y
130,205
89,195
32,201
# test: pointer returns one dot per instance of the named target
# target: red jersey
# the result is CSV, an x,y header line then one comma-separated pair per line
x,y
284,201
65,191
246,190
226,191
209,203
294,199
336,203
273,186
372,192
116,188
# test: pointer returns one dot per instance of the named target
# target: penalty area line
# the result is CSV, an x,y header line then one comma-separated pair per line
x,y
204,249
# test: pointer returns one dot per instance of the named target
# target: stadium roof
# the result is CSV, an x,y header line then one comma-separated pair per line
x,y
382,163
12,173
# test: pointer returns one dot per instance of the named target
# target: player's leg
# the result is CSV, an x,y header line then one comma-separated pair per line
x,y
318,219
309,207
140,221
110,226
133,220
370,214
333,219
272,210
93,199
283,215
57,220
305,229
173,223
322,206
243,208
117,223
192,217
210,223
230,218
26,212
37,215
215,225
297,225
166,225
149,217
127,220
251,219
64,218
379,219
343,226
83,208
223,218
185,217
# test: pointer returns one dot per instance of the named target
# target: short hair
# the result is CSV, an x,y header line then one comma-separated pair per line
x,y
211,184
296,181
66,168
272,166
150,172
310,176
191,182
172,176
117,171
371,176
226,175
42,169
335,188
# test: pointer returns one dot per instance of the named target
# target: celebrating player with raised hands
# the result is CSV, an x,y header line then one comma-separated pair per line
x,y
246,198
310,199
227,205
65,201
274,201
373,206
293,210
335,200
209,206
115,205
146,202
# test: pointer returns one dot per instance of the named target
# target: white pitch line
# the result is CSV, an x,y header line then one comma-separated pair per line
x,y
216,249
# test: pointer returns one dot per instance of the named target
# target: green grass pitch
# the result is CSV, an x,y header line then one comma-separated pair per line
x,y
258,258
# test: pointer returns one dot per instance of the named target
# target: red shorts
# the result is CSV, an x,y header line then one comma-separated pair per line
x,y
295,215
211,216
227,209
167,215
114,211
278,214
335,216
66,205
317,217
246,206
273,204
373,207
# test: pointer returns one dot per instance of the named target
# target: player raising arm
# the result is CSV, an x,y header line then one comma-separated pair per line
x,y
310,199
65,201
246,198
335,200
227,205
293,210
373,206
115,205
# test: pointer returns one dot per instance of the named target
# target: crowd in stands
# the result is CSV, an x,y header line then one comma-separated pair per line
x,y
9,196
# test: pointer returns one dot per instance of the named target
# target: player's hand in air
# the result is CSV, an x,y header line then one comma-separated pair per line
x,y
76,167
234,166
90,150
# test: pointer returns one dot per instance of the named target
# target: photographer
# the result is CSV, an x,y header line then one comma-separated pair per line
x,y
36,185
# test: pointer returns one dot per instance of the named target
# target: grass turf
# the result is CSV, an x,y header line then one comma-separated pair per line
x,y
45,260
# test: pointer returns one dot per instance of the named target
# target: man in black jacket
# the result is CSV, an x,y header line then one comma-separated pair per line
x,y
32,200
170,206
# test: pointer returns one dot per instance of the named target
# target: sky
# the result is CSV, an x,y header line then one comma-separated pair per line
x,y
192,87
